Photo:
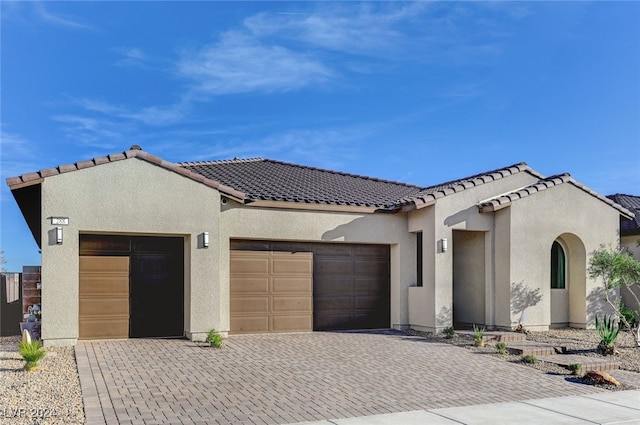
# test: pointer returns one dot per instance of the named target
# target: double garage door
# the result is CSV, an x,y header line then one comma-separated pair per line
x,y
287,287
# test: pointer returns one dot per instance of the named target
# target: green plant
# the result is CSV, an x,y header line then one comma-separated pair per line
x,y
617,269
32,352
627,314
449,332
608,331
576,368
530,359
478,335
502,348
214,338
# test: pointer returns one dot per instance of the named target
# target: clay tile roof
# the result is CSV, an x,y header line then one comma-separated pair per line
x,y
632,203
505,200
428,195
270,180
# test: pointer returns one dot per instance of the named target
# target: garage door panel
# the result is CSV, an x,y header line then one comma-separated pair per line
x,y
292,285
333,266
246,304
247,263
291,323
332,250
291,304
369,303
333,303
117,284
372,285
333,284
250,285
371,268
104,327
284,263
369,251
249,324
333,321
104,306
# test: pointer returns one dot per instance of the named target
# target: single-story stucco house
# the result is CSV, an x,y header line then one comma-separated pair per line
x,y
135,246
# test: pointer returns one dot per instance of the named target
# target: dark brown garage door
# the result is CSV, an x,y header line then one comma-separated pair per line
x,y
145,300
351,288
271,291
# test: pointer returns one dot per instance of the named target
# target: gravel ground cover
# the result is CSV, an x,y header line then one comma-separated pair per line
x,y
49,396
577,341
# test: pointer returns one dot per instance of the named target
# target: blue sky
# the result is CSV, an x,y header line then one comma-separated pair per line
x,y
420,92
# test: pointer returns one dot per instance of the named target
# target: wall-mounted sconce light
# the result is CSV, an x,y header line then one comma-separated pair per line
x,y
205,240
59,235
444,245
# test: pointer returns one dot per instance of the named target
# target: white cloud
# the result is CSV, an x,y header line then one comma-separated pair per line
x,y
64,21
151,115
241,64
369,29
88,131
131,57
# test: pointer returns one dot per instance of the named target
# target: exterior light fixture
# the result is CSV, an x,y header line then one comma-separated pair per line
x,y
444,245
205,240
59,235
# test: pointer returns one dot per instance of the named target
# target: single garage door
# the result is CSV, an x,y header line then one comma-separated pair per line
x,y
131,286
351,282
271,291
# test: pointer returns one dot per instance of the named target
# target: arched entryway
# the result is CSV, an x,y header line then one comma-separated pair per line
x,y
567,281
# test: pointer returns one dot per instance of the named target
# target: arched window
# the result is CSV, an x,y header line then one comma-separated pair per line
x,y
558,266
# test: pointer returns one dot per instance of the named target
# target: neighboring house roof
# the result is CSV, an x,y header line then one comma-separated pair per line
x,y
632,203
269,180
505,200
255,180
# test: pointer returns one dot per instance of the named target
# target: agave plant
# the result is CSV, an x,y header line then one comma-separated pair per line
x,y
608,331
478,335
32,352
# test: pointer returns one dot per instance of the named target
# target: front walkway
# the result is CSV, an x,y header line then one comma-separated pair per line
x,y
286,378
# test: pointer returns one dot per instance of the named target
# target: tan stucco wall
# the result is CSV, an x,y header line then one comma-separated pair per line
x,y
517,253
469,277
134,197
431,305
583,223
246,222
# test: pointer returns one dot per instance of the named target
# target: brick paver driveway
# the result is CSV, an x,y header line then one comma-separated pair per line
x,y
284,378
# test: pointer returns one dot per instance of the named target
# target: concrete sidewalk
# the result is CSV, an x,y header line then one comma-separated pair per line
x,y
622,407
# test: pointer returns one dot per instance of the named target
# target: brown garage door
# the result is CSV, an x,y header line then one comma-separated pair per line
x,y
351,283
271,291
137,278
351,287
104,297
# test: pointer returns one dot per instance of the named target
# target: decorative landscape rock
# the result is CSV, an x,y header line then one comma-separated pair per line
x,y
601,378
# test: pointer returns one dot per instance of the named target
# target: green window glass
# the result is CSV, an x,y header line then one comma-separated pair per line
x,y
558,267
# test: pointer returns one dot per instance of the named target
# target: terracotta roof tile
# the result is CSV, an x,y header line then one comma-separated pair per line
x,y
505,200
270,180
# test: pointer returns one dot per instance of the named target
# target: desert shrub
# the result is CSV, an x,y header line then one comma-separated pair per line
x,y
502,348
214,338
530,359
32,352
